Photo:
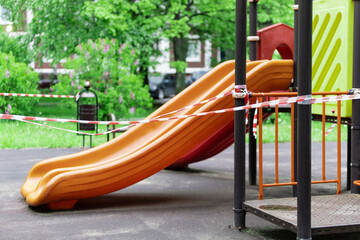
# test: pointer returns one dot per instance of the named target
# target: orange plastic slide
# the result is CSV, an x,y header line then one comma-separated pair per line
x,y
148,148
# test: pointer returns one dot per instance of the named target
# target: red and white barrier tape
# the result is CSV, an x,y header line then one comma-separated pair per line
x,y
35,95
83,133
129,126
254,126
330,129
307,99
197,104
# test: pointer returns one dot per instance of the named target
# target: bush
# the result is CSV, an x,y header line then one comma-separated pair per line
x,y
16,77
110,67
16,46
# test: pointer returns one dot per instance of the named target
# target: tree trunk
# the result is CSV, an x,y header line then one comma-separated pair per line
x,y
144,71
180,45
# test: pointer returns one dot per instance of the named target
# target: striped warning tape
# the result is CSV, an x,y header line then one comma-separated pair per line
x,y
129,126
306,99
35,95
254,126
70,96
330,129
83,133
197,104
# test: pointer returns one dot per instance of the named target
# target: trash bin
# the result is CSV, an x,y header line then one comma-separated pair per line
x,y
87,109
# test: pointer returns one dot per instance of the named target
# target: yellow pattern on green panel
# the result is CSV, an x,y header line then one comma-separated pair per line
x,y
332,51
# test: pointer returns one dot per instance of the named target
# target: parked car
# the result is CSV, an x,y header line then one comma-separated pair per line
x,y
162,85
47,80
195,76
47,83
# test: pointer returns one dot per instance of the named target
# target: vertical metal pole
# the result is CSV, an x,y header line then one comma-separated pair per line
x,y
240,131
252,56
304,121
296,48
355,150
252,150
253,29
348,172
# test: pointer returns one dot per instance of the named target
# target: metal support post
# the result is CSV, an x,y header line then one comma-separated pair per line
x,y
304,121
240,130
253,29
348,166
252,150
295,89
355,122
252,56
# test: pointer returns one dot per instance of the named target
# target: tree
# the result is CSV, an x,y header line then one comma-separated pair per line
x,y
271,12
16,77
15,46
173,19
60,25
57,27
210,20
110,67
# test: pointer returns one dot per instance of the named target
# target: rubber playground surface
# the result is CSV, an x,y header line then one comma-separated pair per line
x,y
195,204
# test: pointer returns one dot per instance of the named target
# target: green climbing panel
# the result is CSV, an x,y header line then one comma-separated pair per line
x,y
333,24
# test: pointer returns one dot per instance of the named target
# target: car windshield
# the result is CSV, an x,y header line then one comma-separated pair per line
x,y
155,78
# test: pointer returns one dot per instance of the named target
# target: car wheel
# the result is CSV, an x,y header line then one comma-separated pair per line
x,y
161,94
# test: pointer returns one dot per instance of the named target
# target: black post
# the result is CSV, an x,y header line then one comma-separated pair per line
x,y
240,131
304,121
295,89
355,150
253,29
252,150
252,56
348,165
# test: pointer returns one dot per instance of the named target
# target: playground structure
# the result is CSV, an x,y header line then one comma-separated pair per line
x,y
343,36
148,148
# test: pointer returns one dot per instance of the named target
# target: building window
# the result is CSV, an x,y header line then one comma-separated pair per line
x,y
195,55
4,16
194,51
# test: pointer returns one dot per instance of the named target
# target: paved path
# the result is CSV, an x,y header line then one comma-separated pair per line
x,y
196,204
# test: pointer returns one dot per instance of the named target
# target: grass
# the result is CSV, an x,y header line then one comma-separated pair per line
x,y
285,130
16,135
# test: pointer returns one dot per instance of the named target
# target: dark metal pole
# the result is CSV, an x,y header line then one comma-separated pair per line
x,y
252,56
252,150
253,29
240,131
355,150
295,89
348,166
304,121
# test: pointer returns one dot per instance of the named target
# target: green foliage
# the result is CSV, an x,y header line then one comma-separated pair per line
x,y
271,12
57,27
180,66
16,77
110,67
16,46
